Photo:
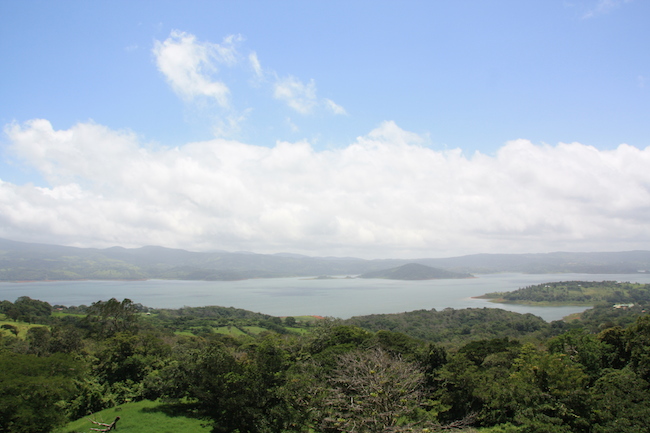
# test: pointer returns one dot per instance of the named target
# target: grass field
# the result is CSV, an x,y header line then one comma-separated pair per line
x,y
22,328
141,417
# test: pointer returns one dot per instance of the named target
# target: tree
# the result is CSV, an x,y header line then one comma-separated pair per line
x,y
26,309
638,345
238,390
32,389
580,347
548,392
621,402
39,338
369,391
113,316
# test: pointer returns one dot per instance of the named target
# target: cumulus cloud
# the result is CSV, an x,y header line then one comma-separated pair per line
x,y
189,65
386,194
192,69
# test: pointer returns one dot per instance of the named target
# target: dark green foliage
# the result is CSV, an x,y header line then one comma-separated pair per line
x,y
606,316
200,320
620,402
33,391
638,345
582,348
112,316
367,374
27,310
128,358
331,342
237,390
578,292
478,351
455,326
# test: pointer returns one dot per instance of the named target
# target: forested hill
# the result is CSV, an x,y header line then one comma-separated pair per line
x,y
29,261
576,293
414,271
453,326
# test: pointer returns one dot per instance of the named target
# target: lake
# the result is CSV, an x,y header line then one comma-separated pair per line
x,y
342,298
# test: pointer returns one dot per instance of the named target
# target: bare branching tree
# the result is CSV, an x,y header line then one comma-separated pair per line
x,y
370,391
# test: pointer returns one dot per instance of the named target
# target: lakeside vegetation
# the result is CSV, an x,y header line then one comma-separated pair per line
x,y
233,370
575,293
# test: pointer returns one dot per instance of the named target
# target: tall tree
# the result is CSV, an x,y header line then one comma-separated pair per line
x,y
369,391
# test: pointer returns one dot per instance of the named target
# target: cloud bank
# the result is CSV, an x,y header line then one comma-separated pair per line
x,y
384,195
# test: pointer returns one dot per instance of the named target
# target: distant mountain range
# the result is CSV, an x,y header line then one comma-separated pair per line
x,y
20,261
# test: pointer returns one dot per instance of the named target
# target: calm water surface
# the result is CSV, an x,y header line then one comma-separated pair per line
x,y
341,298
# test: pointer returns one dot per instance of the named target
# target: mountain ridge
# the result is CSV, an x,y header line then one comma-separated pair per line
x,y
21,261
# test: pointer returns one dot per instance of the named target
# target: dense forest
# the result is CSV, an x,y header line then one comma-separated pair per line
x,y
576,292
238,371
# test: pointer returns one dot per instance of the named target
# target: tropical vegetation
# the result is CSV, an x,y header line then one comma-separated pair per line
x,y
231,370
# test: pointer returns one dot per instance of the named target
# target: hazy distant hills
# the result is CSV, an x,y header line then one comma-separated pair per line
x,y
29,261
414,271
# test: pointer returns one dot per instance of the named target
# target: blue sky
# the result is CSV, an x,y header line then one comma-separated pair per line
x,y
260,90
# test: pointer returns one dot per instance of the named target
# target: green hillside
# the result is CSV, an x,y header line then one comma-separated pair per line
x,y
141,417
575,293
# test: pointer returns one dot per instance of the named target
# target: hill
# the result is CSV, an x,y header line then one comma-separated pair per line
x,y
451,326
20,261
575,293
414,271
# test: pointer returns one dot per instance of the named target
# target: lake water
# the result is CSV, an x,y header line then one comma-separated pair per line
x,y
342,298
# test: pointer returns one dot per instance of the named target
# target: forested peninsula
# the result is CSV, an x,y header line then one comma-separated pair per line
x,y
118,363
576,293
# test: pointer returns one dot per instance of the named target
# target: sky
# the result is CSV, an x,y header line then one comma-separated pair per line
x,y
372,129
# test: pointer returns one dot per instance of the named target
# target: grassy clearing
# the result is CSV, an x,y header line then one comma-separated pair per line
x,y
228,330
62,314
254,330
141,417
307,319
22,328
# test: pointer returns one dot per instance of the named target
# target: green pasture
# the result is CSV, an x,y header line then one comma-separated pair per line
x,y
22,327
141,417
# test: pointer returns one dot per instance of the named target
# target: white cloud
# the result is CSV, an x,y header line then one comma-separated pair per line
x,y
302,97
255,64
603,7
297,95
189,65
386,194
334,107
292,126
